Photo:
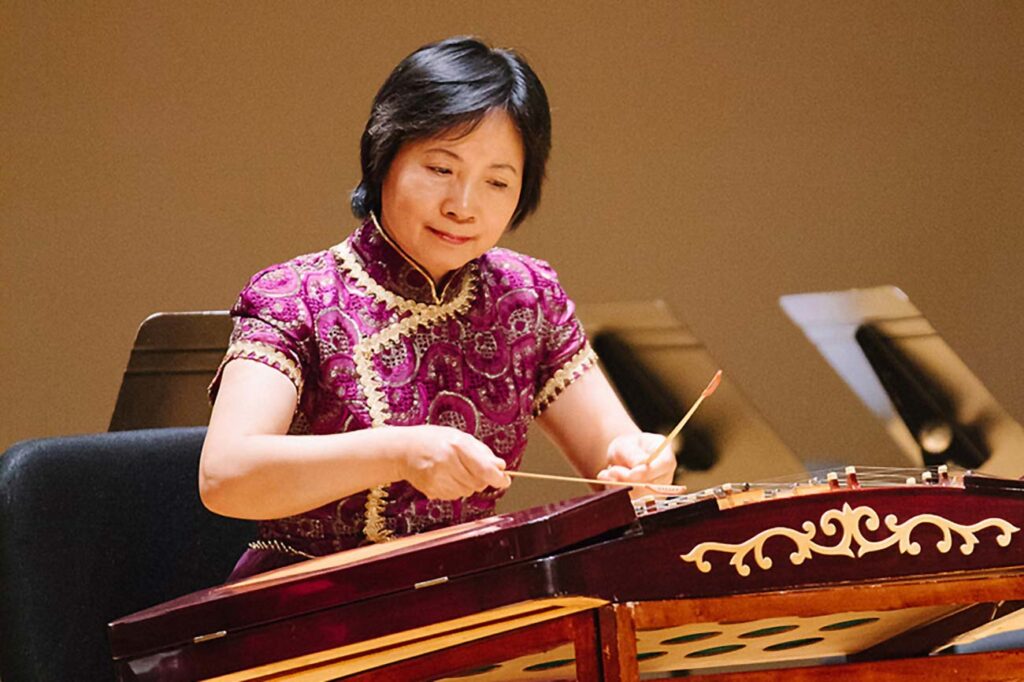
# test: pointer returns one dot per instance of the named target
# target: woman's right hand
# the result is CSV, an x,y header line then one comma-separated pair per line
x,y
252,469
445,463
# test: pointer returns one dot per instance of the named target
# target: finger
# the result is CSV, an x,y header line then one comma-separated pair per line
x,y
628,452
482,464
497,478
464,477
614,472
479,471
494,477
442,481
663,465
640,474
619,453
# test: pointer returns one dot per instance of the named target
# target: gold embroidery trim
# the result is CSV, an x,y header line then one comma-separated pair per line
x,y
376,500
250,350
420,315
373,525
279,547
566,374
370,383
348,261
457,306
848,521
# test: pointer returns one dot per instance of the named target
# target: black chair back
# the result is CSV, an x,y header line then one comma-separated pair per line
x,y
93,528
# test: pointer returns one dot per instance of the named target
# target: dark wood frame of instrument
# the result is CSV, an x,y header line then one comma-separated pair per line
x,y
660,590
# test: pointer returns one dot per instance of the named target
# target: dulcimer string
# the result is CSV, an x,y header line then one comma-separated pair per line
x,y
658,489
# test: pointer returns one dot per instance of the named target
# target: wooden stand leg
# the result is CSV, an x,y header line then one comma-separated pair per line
x,y
617,637
583,627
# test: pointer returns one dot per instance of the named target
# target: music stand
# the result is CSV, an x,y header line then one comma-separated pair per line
x,y
743,447
741,444
930,402
173,361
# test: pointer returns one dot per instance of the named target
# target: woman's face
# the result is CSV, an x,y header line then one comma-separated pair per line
x,y
447,200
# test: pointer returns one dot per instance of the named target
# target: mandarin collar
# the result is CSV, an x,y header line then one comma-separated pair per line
x,y
398,272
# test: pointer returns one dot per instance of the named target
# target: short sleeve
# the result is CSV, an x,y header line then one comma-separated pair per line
x,y
271,326
565,351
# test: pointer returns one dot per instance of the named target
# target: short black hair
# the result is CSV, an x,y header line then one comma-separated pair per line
x,y
452,85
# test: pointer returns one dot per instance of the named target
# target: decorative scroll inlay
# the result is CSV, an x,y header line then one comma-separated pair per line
x,y
848,522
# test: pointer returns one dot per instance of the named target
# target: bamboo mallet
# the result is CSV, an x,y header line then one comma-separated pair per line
x,y
655,487
715,381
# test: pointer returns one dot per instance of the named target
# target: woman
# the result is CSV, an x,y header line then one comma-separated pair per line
x,y
382,387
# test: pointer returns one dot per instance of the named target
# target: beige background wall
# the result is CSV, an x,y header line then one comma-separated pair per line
x,y
713,154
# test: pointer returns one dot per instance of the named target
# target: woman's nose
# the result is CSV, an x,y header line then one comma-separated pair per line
x,y
458,203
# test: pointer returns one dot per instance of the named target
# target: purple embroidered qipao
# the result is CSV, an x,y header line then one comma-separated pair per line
x,y
368,342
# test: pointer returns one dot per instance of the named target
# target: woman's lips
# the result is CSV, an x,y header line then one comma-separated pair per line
x,y
447,237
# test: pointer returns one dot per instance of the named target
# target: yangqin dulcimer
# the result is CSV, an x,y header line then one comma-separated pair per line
x,y
364,610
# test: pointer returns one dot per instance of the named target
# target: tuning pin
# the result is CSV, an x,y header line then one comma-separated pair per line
x,y
926,477
723,494
851,477
833,480
943,474
911,480
650,504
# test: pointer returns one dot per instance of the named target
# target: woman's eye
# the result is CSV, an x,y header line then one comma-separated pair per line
x,y
499,184
440,170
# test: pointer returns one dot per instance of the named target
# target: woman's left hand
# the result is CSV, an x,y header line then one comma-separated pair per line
x,y
627,454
